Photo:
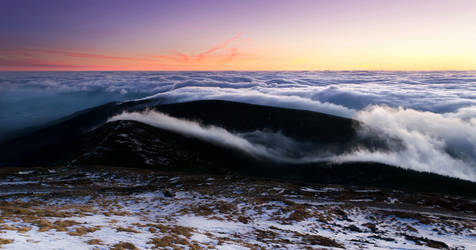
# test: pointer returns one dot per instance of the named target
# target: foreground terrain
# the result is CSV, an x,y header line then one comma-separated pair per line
x,y
121,208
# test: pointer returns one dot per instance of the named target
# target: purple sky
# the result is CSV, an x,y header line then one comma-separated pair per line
x,y
241,35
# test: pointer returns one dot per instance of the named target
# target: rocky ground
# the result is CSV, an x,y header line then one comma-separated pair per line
x,y
119,208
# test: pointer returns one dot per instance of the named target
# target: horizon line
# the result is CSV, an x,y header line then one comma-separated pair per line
x,y
258,70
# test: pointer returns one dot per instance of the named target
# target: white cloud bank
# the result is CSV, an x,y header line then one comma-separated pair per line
x,y
437,143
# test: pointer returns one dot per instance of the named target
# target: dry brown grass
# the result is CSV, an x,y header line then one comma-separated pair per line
x,y
371,226
13,211
79,231
300,213
7,227
128,229
5,241
172,241
200,210
123,246
411,229
23,229
175,230
225,207
93,229
35,211
118,213
43,225
166,241
244,219
65,223
318,240
322,217
95,242
264,236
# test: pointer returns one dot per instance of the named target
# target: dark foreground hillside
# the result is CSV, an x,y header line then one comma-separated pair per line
x,y
84,139
100,207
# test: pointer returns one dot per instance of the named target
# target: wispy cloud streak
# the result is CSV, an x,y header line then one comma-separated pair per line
x,y
210,55
40,57
202,55
84,55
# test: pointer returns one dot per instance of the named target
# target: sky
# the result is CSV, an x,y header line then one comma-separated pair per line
x,y
106,35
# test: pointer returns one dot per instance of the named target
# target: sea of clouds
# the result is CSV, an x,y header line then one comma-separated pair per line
x,y
432,113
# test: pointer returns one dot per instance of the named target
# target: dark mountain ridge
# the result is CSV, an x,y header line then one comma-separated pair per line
x,y
328,130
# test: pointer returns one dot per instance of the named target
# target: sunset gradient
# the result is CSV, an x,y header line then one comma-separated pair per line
x,y
238,35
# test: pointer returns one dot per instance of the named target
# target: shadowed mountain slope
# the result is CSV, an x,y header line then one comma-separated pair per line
x,y
41,145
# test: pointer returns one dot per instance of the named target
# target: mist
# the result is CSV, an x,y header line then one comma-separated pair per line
x,y
259,144
438,143
429,142
433,114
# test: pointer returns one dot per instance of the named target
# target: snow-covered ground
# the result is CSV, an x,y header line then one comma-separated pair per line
x,y
108,208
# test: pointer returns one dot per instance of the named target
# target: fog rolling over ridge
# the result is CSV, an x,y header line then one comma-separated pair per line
x,y
261,144
432,114
438,150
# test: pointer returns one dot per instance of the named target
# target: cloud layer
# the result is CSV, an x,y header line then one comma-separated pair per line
x,y
438,92
28,98
433,113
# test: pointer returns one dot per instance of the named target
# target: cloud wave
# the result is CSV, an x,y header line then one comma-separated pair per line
x,y
246,142
438,143
430,143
